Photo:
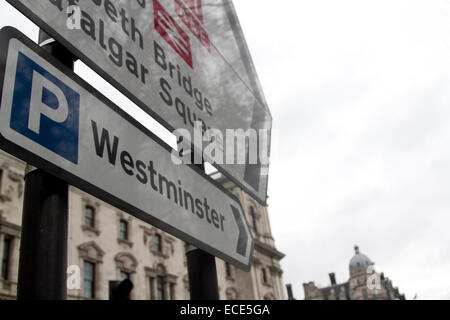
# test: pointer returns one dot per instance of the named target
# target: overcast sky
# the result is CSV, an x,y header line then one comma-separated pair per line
x,y
360,95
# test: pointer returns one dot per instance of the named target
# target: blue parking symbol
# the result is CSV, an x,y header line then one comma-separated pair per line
x,y
45,109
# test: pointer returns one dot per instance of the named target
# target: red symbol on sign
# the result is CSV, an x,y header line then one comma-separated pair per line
x,y
196,8
175,36
191,22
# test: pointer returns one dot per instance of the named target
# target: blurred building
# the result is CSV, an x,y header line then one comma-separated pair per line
x,y
364,284
108,244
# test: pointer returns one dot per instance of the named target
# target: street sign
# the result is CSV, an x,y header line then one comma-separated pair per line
x,y
54,120
181,61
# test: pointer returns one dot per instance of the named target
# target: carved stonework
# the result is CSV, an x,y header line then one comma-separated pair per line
x,y
91,251
231,294
269,296
18,179
88,229
125,261
4,198
186,282
125,243
167,242
256,261
170,244
7,189
88,201
9,228
4,166
160,270
14,176
276,270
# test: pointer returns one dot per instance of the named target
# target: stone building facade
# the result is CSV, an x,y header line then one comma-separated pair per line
x,y
108,244
364,284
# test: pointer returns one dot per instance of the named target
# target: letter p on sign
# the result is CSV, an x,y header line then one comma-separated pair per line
x,y
46,99
45,109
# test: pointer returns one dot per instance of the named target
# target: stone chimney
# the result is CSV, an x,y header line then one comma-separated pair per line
x,y
332,278
290,292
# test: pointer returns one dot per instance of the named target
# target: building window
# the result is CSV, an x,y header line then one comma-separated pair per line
x,y
228,270
158,243
172,291
89,217
365,295
6,257
151,284
1,176
123,230
159,288
264,275
254,222
88,280
332,295
124,275
162,284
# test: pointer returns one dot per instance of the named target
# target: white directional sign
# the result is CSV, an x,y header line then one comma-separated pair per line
x,y
181,61
52,119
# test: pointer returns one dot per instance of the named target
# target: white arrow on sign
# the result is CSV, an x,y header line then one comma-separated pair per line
x,y
52,119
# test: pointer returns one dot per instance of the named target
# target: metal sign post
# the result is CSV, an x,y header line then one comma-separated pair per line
x,y
202,274
43,245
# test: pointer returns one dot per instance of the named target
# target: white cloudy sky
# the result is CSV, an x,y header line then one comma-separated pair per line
x,y
360,95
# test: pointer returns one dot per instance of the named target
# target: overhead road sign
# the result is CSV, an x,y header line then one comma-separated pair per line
x,y
181,61
54,120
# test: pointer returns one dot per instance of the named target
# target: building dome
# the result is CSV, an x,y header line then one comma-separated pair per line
x,y
359,262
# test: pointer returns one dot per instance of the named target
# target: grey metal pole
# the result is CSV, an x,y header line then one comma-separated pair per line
x,y
202,271
202,275
43,247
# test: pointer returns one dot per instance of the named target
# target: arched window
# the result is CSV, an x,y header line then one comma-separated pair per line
x,y
126,265
91,256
